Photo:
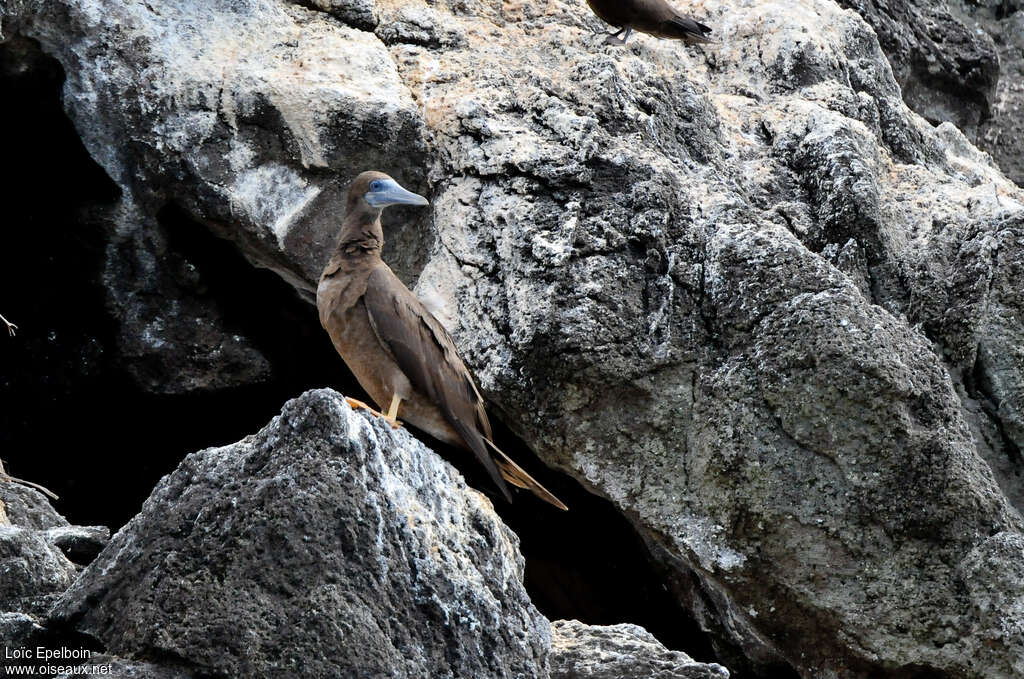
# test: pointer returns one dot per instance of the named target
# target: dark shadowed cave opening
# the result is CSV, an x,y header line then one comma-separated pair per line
x,y
73,419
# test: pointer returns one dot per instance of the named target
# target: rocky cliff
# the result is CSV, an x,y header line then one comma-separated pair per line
x,y
743,292
325,545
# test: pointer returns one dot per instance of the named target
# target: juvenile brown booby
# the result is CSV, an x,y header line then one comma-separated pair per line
x,y
401,355
654,17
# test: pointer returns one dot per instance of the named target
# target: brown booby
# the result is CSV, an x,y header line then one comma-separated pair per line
x,y
654,17
11,327
401,355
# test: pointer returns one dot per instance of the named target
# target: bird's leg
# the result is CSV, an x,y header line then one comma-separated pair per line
x,y
614,38
356,404
11,327
392,416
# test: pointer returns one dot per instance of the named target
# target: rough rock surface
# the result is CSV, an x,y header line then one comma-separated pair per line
x,y
1003,135
959,61
32,570
28,508
742,291
119,668
325,545
948,72
38,553
581,651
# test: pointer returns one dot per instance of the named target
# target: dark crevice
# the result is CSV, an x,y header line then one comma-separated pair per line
x,y
589,563
978,387
74,419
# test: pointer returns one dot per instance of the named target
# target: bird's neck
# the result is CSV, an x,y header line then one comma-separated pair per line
x,y
361,230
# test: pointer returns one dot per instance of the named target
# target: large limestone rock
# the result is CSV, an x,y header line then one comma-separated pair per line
x,y
233,111
326,545
742,291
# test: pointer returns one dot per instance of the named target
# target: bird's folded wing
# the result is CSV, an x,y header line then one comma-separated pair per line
x,y
687,29
427,355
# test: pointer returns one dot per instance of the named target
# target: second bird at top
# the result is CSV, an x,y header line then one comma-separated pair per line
x,y
654,17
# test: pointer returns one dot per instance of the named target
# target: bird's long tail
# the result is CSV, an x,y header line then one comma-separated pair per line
x,y
518,477
686,29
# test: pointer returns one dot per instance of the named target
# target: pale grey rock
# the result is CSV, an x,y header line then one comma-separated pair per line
x,y
580,651
15,627
784,429
1003,134
993,574
959,61
418,26
241,113
80,544
731,289
325,545
1000,351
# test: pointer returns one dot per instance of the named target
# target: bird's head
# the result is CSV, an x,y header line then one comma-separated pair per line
x,y
378,190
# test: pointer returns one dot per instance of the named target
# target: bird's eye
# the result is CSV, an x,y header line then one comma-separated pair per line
x,y
376,185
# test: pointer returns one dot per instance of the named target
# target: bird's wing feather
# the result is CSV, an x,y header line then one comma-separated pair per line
x,y
687,29
427,355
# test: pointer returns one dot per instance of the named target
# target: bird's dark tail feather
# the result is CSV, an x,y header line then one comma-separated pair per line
x,y
518,477
477,443
688,30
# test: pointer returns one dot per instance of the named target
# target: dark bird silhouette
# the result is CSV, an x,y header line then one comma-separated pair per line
x,y
654,17
401,355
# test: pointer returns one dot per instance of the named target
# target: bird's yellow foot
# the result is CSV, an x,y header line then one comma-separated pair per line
x,y
356,404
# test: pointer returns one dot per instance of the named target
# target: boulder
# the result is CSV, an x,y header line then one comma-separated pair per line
x,y
32,571
325,545
39,551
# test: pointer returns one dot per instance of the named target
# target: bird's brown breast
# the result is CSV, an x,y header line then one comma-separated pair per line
x,y
378,373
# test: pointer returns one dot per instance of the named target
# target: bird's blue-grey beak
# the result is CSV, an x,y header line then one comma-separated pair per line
x,y
390,193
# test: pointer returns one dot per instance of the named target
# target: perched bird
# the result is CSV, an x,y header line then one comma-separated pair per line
x,y
401,355
654,17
